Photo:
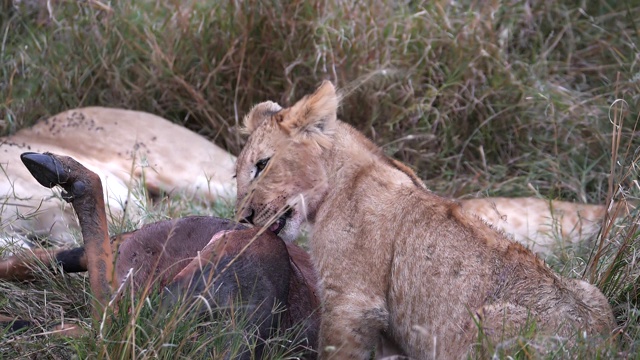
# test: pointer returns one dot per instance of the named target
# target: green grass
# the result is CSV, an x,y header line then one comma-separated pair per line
x,y
479,97
139,325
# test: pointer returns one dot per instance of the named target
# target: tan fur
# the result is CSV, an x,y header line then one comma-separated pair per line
x,y
540,224
124,148
394,258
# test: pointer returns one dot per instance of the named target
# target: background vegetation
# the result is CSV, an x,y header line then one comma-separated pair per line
x,y
514,98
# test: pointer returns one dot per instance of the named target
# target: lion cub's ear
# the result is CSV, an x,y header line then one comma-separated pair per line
x,y
260,113
314,116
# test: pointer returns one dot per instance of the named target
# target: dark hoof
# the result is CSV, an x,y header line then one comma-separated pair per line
x,y
10,327
45,168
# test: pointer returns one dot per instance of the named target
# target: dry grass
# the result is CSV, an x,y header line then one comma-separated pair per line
x,y
513,98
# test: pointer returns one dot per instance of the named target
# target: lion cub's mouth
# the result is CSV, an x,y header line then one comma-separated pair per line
x,y
280,223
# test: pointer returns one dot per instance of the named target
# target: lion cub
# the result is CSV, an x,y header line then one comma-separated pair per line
x,y
394,258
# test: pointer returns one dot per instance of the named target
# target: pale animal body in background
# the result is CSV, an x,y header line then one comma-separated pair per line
x,y
540,224
125,148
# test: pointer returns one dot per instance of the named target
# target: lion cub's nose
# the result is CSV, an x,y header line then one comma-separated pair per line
x,y
248,219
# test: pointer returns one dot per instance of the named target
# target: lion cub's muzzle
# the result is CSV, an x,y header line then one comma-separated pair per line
x,y
280,222
249,218
276,226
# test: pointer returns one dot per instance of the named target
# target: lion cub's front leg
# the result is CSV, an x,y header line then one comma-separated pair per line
x,y
351,324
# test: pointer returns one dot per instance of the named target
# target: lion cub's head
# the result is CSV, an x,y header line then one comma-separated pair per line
x,y
281,171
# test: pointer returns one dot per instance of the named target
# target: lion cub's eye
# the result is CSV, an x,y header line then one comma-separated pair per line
x,y
260,165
